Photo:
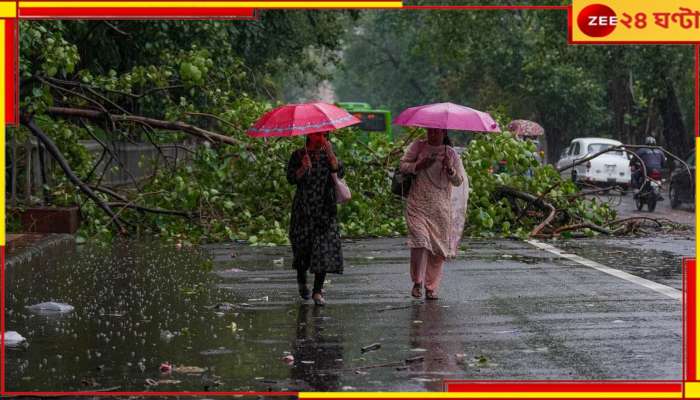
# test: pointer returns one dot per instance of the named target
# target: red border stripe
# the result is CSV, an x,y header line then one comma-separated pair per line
x,y
10,71
145,12
565,387
690,320
697,90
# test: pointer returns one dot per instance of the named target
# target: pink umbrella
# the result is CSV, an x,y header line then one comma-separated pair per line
x,y
523,127
301,119
447,116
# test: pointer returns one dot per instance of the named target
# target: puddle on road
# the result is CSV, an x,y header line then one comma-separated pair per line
x,y
139,305
143,308
659,259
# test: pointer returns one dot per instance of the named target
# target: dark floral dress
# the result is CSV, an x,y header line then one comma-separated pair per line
x,y
313,230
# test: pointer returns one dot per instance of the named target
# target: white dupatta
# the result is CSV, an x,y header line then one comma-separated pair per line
x,y
459,202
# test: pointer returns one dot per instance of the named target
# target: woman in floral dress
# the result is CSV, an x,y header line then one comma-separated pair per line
x,y
313,230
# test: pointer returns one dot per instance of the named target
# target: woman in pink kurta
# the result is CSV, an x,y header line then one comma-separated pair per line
x,y
435,208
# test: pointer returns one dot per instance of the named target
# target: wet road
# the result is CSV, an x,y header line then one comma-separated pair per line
x,y
508,310
626,207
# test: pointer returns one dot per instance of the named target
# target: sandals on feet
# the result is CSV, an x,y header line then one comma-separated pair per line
x,y
318,299
416,291
431,295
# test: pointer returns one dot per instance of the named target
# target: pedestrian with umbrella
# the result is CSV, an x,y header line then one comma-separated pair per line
x,y
531,131
317,174
437,200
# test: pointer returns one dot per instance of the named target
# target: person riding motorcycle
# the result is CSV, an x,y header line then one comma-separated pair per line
x,y
653,159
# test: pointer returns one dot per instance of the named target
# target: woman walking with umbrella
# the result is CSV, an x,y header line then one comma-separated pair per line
x,y
313,232
437,201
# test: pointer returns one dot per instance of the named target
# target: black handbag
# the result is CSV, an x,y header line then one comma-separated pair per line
x,y
401,183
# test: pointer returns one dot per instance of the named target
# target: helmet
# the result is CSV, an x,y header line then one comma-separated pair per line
x,y
650,141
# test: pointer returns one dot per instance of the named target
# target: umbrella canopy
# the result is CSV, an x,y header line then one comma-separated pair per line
x,y
301,119
447,116
523,127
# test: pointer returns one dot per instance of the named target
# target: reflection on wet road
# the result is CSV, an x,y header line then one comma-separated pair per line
x,y
228,318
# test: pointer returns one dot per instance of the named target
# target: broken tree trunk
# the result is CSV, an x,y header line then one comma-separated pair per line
x,y
504,191
51,147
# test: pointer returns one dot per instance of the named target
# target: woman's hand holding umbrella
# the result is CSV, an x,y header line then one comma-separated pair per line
x,y
305,165
447,166
332,160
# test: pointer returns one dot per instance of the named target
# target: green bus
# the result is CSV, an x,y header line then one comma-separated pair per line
x,y
373,120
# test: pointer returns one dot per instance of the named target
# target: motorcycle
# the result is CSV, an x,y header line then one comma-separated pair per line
x,y
650,192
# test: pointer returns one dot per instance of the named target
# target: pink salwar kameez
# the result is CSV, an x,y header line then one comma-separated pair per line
x,y
435,211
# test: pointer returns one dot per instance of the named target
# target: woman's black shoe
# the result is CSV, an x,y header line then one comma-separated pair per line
x,y
304,292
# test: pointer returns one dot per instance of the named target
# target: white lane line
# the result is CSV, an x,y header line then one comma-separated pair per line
x,y
657,287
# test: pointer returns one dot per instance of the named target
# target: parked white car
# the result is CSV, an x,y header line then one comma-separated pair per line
x,y
612,168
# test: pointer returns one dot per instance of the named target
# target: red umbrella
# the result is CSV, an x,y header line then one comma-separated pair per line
x,y
447,116
523,127
301,119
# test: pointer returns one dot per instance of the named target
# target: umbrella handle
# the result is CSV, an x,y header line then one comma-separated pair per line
x,y
306,153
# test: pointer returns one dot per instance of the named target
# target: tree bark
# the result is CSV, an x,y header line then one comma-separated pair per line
x,y
155,123
621,102
678,140
554,143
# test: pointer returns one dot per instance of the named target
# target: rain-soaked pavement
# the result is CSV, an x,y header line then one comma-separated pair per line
x,y
226,317
626,208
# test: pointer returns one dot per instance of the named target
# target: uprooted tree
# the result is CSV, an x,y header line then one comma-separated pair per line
x,y
220,184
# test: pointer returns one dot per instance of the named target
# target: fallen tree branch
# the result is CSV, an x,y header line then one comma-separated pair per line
x,y
620,221
113,157
151,210
531,199
550,217
588,225
110,192
217,118
155,123
539,198
51,147
625,147
589,192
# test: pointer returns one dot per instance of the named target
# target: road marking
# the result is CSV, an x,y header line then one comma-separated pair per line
x,y
657,287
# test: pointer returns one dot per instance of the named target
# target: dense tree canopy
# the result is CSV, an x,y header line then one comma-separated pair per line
x,y
519,63
197,86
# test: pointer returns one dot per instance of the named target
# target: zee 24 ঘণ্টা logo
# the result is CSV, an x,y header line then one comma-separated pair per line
x,y
670,20
597,20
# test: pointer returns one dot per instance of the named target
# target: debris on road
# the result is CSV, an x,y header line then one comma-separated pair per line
x,y
14,339
371,347
166,368
222,307
189,370
289,359
51,306
216,352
